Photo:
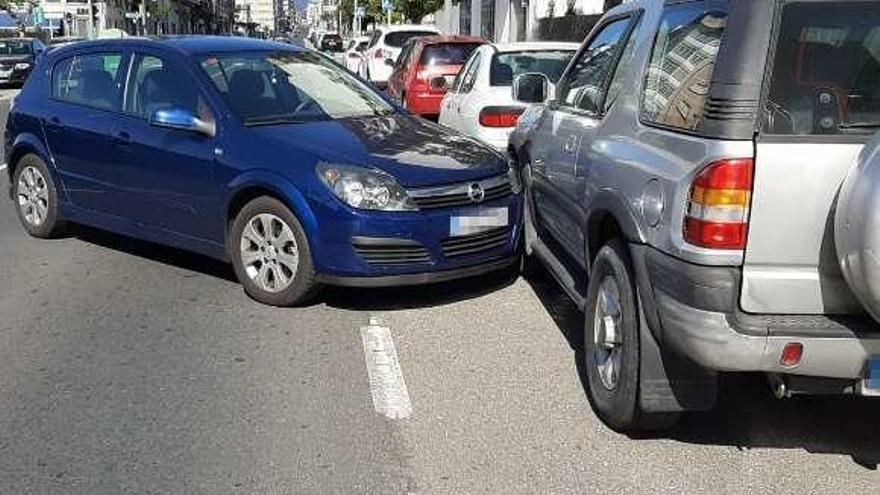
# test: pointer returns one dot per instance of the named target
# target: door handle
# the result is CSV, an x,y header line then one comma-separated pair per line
x,y
539,165
570,144
123,138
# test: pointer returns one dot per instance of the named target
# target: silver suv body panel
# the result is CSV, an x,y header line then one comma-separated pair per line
x,y
791,265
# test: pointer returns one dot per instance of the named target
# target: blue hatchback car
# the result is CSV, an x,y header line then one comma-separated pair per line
x,y
263,154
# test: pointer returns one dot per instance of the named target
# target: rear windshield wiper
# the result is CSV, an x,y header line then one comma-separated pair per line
x,y
860,125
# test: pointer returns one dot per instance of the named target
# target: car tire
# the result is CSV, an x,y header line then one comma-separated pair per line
x,y
611,343
271,255
36,197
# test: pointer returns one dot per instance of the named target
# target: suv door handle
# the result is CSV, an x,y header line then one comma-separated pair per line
x,y
570,143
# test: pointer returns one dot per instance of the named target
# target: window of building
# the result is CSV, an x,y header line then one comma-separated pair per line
x,y
487,19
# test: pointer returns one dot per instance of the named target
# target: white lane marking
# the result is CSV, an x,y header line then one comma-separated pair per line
x,y
2,167
390,397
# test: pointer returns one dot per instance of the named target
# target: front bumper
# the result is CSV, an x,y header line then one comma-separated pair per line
x,y
351,247
695,312
15,77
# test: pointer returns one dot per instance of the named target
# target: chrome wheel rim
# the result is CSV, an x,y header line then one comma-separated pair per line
x,y
33,196
607,338
269,253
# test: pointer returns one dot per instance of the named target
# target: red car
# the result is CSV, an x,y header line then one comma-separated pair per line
x,y
426,68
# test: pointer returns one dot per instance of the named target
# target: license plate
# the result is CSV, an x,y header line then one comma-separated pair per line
x,y
871,383
478,221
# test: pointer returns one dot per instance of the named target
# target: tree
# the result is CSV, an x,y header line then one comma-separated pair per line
x,y
414,10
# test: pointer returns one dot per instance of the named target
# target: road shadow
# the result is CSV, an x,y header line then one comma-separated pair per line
x,y
350,298
156,252
747,416
421,296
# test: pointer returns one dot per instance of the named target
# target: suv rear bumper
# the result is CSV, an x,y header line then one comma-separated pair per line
x,y
693,310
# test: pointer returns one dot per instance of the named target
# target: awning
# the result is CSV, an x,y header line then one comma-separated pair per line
x,y
7,21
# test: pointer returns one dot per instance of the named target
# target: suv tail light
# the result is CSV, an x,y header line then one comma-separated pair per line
x,y
500,116
380,54
718,207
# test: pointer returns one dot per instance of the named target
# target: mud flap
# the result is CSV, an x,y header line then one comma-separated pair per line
x,y
669,383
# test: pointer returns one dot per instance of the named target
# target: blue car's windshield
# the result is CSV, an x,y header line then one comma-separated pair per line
x,y
266,88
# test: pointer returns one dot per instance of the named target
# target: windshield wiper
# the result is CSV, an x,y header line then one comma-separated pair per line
x,y
860,125
272,121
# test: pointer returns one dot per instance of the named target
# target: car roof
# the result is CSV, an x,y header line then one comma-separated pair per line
x,y
407,27
450,38
189,45
534,46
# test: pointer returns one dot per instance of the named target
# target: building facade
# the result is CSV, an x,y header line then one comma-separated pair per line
x,y
260,13
512,20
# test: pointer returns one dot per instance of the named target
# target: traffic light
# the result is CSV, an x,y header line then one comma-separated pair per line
x,y
95,13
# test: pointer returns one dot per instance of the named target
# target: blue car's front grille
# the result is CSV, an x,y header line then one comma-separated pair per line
x,y
460,194
377,251
475,243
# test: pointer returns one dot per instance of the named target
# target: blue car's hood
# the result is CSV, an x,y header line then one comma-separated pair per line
x,y
416,152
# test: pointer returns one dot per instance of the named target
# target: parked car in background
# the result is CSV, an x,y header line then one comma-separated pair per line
x,y
384,48
17,59
60,41
354,52
480,102
425,69
260,153
696,186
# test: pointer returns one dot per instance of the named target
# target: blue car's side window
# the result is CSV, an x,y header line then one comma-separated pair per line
x,y
90,80
156,85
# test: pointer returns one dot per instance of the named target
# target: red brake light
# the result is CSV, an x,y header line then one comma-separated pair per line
x,y
500,116
791,354
718,208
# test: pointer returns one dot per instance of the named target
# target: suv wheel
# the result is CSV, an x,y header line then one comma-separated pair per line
x,y
36,197
270,254
611,343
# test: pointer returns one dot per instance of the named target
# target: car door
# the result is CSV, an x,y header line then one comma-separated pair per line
x,y
397,81
460,109
449,105
164,177
561,158
86,97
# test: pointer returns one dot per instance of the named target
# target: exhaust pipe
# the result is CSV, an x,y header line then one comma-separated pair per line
x,y
778,386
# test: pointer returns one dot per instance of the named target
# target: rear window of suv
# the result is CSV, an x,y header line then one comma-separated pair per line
x,y
398,38
826,72
682,63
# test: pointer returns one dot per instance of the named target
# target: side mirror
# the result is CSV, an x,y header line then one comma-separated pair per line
x,y
531,87
178,118
389,62
439,83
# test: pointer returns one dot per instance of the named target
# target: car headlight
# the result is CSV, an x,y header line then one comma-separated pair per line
x,y
364,188
22,66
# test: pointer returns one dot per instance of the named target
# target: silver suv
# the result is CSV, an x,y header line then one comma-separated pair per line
x,y
682,185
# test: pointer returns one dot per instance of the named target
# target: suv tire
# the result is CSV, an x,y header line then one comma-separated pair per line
x,y
270,253
36,197
611,343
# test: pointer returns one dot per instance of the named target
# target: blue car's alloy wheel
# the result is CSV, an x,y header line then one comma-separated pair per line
x,y
36,197
270,253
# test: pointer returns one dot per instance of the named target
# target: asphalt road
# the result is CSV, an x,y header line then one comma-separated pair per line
x,y
130,368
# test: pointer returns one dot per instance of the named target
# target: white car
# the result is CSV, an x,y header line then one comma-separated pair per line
x,y
385,44
354,52
480,102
